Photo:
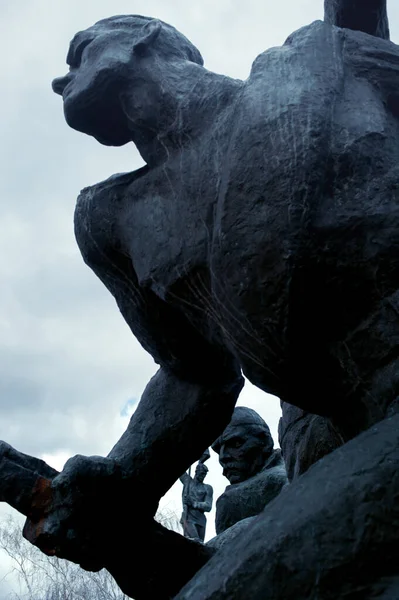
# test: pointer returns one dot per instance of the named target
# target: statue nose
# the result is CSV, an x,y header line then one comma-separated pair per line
x,y
224,454
59,84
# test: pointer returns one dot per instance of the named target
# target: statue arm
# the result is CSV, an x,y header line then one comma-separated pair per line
x,y
191,398
80,513
209,499
206,505
184,478
196,413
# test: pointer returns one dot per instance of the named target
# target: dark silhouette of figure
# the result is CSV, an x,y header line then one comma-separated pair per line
x,y
197,499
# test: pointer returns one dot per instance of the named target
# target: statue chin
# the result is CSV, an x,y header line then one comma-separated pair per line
x,y
234,477
102,123
110,140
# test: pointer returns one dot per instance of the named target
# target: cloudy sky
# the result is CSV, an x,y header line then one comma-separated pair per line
x,y
70,370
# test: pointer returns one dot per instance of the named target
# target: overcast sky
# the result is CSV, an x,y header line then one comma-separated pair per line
x,y
70,370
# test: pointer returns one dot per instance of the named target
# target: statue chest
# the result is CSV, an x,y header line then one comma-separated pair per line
x,y
166,224
197,492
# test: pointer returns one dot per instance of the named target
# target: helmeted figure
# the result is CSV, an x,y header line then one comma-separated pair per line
x,y
255,470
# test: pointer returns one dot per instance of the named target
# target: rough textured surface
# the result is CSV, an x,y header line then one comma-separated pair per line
x,y
230,534
256,471
262,235
333,533
304,439
250,497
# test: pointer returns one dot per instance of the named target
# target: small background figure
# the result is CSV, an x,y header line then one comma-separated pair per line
x,y
197,499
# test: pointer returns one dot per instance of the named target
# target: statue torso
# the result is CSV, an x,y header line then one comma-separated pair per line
x,y
308,225
195,492
283,211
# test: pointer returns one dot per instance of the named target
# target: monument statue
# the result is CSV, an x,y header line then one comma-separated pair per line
x,y
254,469
197,499
261,237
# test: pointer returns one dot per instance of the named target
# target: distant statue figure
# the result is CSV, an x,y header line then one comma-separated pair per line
x,y
197,499
256,472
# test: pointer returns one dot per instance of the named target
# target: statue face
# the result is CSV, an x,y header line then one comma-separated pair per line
x,y
200,473
242,452
99,59
116,86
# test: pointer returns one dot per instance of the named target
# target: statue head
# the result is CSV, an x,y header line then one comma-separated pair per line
x,y
120,61
244,445
200,472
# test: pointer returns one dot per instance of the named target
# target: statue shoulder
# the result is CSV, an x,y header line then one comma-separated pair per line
x,y
306,37
97,209
104,195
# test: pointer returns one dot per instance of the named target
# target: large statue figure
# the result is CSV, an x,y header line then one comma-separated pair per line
x,y
261,236
197,499
256,472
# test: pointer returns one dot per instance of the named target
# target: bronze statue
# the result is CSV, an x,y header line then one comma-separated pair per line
x,y
254,469
261,237
197,499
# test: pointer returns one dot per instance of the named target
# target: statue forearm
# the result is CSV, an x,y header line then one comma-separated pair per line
x,y
164,560
203,506
207,504
174,422
369,16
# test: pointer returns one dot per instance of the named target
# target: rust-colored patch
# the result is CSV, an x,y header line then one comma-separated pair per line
x,y
42,498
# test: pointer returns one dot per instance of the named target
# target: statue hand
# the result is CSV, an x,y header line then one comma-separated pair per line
x,y
69,513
